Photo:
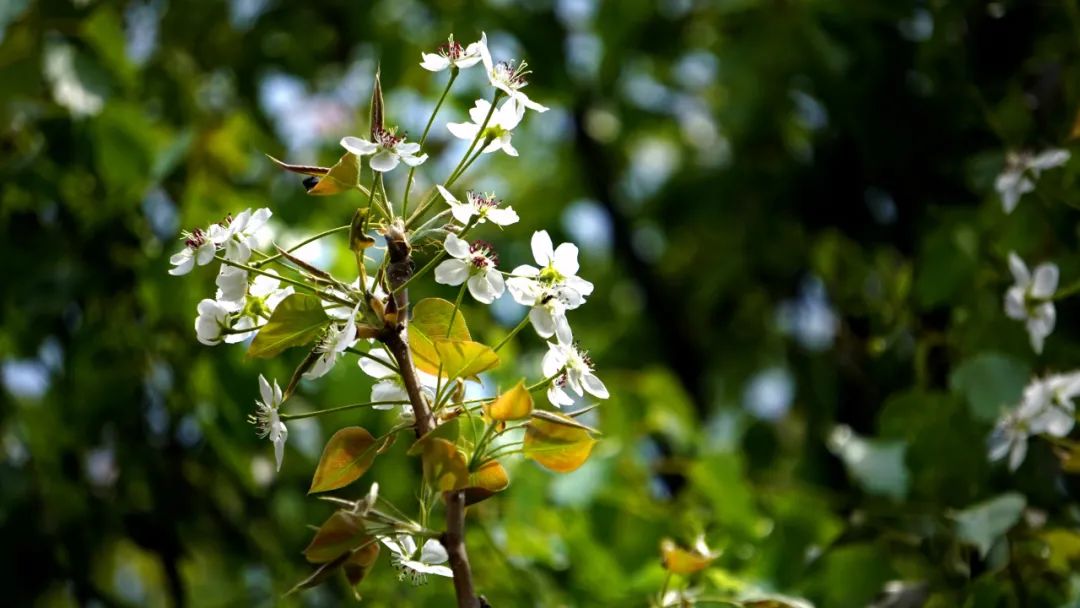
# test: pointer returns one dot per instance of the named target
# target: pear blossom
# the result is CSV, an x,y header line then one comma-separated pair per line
x,y
413,567
389,385
483,207
212,322
451,54
388,149
1030,299
263,296
570,368
232,286
1046,407
498,129
507,77
1020,172
335,342
199,249
240,233
266,419
473,263
549,304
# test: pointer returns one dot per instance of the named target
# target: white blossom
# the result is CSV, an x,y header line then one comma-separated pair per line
x,y
1030,299
1046,407
266,419
499,127
388,150
240,234
483,207
473,263
507,77
212,322
336,341
232,285
1020,172
263,296
199,249
413,567
571,368
552,289
451,54
389,386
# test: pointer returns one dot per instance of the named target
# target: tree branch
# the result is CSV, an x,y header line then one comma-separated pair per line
x,y
398,271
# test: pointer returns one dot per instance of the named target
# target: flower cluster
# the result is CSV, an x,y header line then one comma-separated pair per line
x,y
1030,299
1046,408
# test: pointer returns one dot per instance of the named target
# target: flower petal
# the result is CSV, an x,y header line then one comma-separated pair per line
x,y
383,161
1045,281
358,146
542,249
457,246
452,272
566,261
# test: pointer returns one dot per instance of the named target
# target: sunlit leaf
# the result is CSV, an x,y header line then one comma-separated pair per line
x,y
682,561
556,446
465,359
346,457
298,320
486,481
448,430
340,533
983,524
430,322
445,468
342,177
514,404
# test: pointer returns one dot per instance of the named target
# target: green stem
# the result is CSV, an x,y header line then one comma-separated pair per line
x,y
468,164
520,326
371,198
301,284
271,258
386,200
481,444
457,305
340,408
476,140
423,139
1067,291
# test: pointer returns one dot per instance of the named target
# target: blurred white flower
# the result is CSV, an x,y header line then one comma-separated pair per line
x,y
498,129
484,207
388,150
507,77
1014,180
573,369
1046,407
473,263
413,567
266,419
451,54
389,386
1030,299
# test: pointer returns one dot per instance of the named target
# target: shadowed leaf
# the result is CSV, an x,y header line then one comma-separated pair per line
x,y
297,320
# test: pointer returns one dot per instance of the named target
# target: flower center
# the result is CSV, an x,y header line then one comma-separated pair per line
x,y
196,238
483,255
387,138
452,50
513,76
482,201
550,275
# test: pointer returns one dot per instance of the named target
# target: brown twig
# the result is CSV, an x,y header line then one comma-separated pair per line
x,y
398,271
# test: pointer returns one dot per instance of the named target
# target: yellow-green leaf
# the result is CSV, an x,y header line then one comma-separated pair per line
x,y
462,359
346,457
682,561
430,322
444,465
340,534
448,430
557,446
514,404
299,319
487,480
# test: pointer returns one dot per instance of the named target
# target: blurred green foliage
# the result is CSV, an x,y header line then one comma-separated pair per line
x,y
787,209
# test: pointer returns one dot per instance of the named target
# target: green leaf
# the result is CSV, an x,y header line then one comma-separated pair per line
x,y
346,457
298,320
559,447
429,323
982,524
876,464
514,404
990,382
342,177
340,533
465,359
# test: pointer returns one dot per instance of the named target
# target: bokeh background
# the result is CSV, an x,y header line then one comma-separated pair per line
x,y
787,208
